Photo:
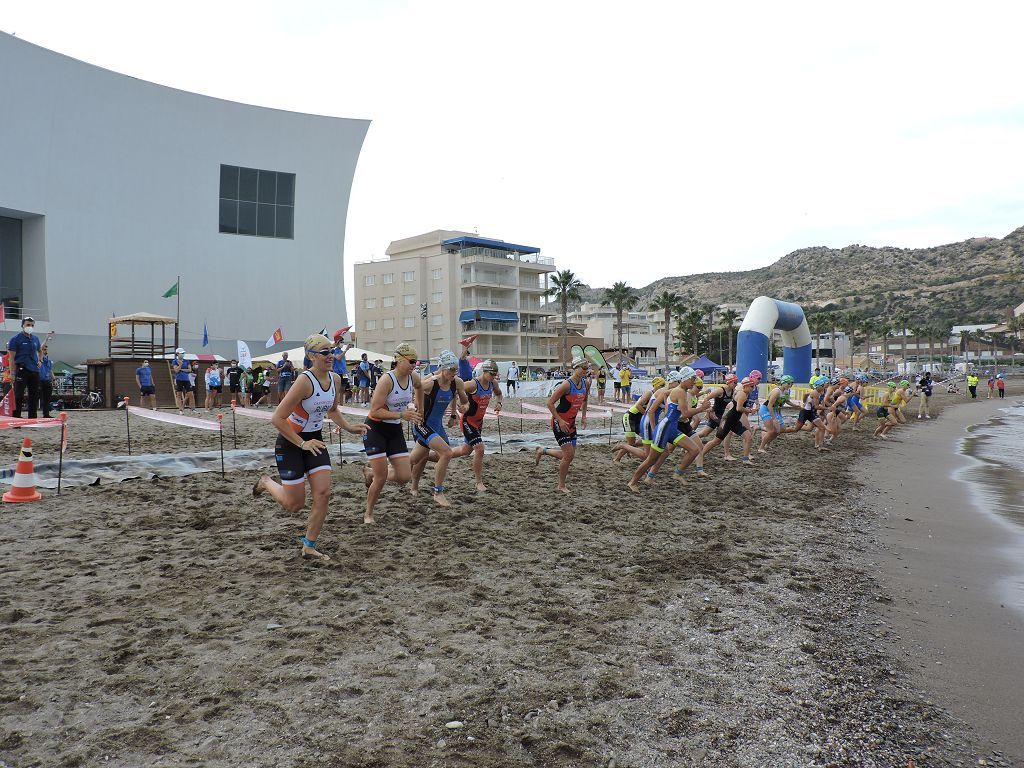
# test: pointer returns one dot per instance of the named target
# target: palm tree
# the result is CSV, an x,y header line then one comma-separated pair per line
x,y
819,322
899,322
708,313
868,328
965,343
566,288
1014,326
692,322
623,298
849,323
728,318
918,332
670,303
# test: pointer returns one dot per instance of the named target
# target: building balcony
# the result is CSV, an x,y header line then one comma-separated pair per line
x,y
490,326
489,279
526,285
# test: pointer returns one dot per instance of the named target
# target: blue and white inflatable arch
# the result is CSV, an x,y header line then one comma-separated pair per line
x,y
752,343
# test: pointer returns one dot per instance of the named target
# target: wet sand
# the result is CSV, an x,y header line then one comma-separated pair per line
x,y
945,563
726,623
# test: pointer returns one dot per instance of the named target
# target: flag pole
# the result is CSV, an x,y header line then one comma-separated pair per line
x,y
178,324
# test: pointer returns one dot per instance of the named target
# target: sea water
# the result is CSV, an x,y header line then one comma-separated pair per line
x,y
996,477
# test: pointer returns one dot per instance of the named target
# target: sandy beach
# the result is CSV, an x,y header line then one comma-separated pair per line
x,y
733,622
945,563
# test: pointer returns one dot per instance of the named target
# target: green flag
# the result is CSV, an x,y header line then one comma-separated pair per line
x,y
172,291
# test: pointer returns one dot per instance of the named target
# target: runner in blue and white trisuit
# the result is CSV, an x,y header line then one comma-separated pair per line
x,y
654,416
300,451
772,422
384,441
631,425
437,392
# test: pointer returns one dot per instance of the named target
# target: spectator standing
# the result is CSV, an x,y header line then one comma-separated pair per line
x,y
193,377
25,349
182,370
212,379
991,386
972,385
924,390
144,378
626,381
512,380
46,381
245,386
363,380
233,375
1001,386
617,383
285,374
602,382
259,386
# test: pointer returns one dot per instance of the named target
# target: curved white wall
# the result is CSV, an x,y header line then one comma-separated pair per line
x,y
117,181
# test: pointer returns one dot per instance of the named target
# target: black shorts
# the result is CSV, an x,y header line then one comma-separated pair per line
x,y
805,415
686,427
562,437
733,422
216,389
234,388
631,422
714,422
471,434
384,440
294,464
150,390
882,412
182,386
618,385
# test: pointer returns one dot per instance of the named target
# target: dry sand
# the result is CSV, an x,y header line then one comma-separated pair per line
x,y
726,623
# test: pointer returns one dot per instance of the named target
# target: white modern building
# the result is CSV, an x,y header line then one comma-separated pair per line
x,y
442,286
112,187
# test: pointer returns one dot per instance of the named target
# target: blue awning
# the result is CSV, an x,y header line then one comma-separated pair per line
x,y
483,242
470,315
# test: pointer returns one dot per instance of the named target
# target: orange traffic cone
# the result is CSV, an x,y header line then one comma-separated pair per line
x,y
24,486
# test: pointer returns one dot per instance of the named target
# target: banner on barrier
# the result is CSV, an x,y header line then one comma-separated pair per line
x,y
172,418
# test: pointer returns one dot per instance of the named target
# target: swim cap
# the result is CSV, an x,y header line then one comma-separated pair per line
x,y
862,377
747,381
787,379
698,383
447,360
755,374
658,382
731,378
904,383
316,341
848,390
819,382
699,373
673,376
579,362
891,385
490,366
687,373
406,350
844,381
999,375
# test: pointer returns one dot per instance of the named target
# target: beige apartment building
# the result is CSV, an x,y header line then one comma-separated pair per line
x,y
463,284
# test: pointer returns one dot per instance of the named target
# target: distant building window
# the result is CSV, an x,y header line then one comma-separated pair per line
x,y
436,297
408,300
389,301
371,303
436,320
389,278
371,325
389,323
409,322
408,277
436,274
255,202
369,280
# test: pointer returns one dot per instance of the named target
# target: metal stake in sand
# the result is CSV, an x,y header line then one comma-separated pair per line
x,y
220,423
127,426
60,457
234,428
341,449
501,448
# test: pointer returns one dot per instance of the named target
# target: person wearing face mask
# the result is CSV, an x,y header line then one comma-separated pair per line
x,y
25,352
147,390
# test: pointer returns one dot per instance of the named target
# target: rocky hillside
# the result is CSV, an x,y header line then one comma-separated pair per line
x,y
972,281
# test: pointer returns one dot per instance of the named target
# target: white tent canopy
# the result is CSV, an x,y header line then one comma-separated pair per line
x,y
352,355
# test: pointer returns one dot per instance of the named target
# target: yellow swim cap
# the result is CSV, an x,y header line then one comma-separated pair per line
x,y
658,382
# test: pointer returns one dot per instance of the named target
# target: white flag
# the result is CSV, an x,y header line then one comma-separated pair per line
x,y
244,355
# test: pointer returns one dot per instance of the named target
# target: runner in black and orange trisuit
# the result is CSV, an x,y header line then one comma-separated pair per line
x,y
567,399
480,391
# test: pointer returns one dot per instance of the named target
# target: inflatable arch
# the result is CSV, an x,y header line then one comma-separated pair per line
x,y
765,316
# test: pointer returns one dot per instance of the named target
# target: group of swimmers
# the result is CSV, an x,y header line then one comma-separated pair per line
x,y
679,412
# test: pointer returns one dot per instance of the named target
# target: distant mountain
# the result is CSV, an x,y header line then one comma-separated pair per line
x,y
973,281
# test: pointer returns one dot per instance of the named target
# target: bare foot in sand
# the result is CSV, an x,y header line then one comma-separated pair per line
x,y
310,552
414,491
563,489
536,458
678,477
648,480
700,473
440,500
761,450
481,487
727,457
257,487
632,487
369,520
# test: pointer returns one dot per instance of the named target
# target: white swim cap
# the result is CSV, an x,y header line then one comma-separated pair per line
x,y
687,373
447,359
673,376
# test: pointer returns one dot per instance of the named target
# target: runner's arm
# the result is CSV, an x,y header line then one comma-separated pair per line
x,y
335,415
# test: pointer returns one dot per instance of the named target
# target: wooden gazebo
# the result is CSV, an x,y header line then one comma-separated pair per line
x,y
139,340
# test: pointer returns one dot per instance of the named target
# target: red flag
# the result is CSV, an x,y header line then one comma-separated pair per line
x,y
469,340
338,334
7,404
277,338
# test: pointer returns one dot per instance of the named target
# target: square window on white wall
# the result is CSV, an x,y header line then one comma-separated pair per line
x,y
389,301
389,323
436,297
409,322
409,276
371,303
436,274
369,280
408,299
371,325
389,278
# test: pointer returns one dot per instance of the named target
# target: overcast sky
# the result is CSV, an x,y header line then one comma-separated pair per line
x,y
627,140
